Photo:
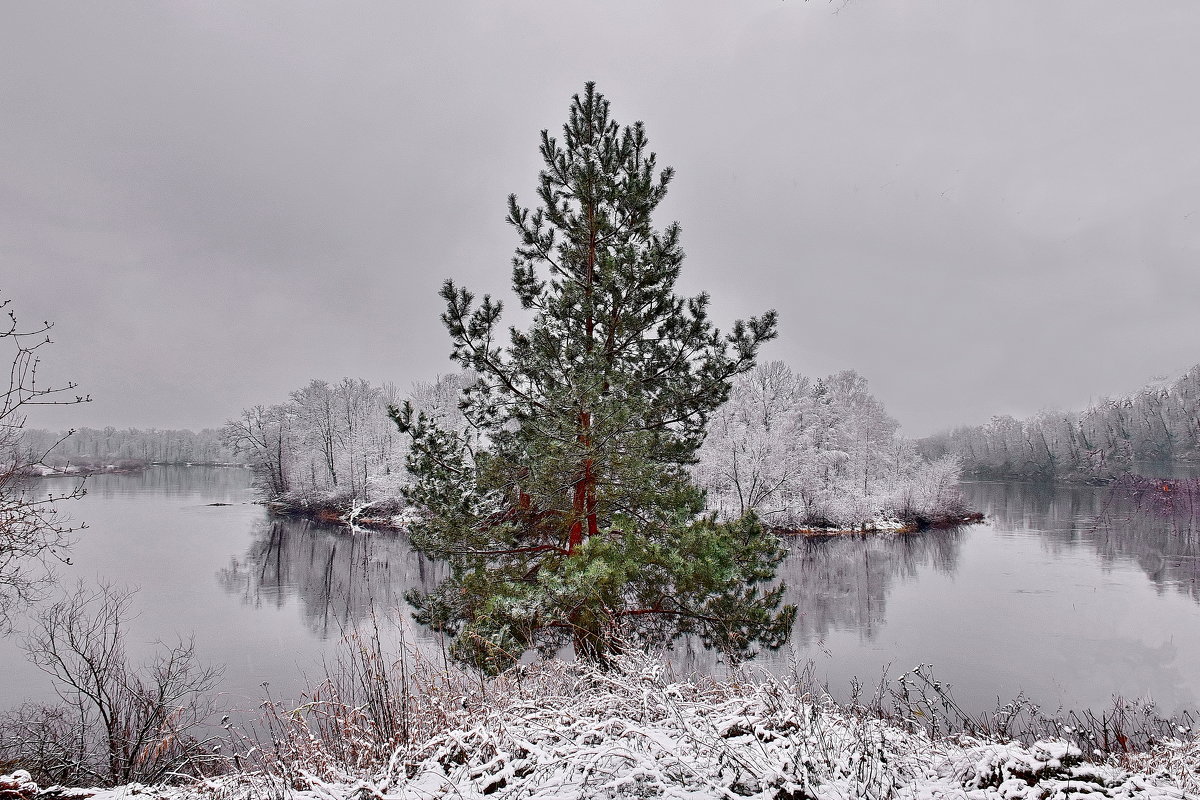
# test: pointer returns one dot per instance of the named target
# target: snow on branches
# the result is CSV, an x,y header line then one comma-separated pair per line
x,y
818,454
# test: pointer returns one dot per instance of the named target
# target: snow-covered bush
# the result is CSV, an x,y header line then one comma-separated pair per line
x,y
559,730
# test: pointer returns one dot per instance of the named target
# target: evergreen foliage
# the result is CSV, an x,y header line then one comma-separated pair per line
x,y
565,507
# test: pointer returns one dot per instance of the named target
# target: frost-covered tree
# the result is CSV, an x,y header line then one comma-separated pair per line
x,y
754,454
333,445
565,509
1159,423
266,436
804,453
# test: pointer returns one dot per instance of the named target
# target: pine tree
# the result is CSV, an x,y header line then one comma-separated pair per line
x,y
565,510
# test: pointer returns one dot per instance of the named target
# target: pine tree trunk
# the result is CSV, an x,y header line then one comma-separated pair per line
x,y
583,504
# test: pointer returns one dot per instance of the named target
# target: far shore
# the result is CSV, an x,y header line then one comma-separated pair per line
x,y
124,468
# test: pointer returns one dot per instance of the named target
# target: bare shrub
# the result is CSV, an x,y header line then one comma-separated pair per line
x,y
116,722
373,705
33,534
43,738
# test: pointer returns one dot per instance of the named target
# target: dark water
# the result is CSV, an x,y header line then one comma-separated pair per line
x,y
1071,595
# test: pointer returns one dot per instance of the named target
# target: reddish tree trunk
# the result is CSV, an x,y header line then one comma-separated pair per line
x,y
583,501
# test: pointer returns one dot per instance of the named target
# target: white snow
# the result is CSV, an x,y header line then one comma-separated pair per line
x,y
570,732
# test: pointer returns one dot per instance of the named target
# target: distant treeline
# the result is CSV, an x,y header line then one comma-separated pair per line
x,y
1160,423
96,448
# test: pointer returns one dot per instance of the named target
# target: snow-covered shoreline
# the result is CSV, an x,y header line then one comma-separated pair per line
x,y
556,730
85,471
885,523
381,516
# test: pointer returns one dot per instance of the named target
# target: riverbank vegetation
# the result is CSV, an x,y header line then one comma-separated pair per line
x,y
331,451
398,726
1157,424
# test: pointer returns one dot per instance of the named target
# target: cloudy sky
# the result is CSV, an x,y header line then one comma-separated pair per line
x,y
983,208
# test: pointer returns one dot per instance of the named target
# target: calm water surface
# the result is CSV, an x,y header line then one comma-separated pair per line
x,y
1071,595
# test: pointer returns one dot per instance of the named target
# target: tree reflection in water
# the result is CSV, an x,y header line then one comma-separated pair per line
x,y
842,582
839,583
338,575
1132,521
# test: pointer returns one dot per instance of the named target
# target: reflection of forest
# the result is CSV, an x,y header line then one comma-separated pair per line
x,y
842,582
837,583
337,575
1118,524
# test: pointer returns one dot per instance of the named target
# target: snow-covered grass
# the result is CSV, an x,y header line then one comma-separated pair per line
x,y
558,730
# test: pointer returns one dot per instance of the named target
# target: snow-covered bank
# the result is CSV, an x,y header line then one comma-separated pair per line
x,y
387,514
887,523
382,515
85,469
80,471
563,731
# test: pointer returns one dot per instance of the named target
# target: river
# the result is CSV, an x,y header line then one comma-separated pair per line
x,y
1064,593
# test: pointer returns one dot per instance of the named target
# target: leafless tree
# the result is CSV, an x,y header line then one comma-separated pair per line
x,y
334,445
117,722
264,435
33,534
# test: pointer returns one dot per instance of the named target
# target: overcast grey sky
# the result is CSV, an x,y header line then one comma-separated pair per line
x,y
983,208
